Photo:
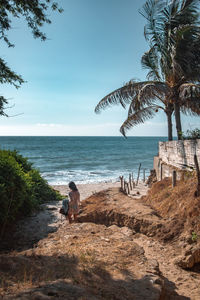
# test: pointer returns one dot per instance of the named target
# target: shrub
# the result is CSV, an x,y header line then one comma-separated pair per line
x,y
22,188
40,188
13,187
22,161
192,134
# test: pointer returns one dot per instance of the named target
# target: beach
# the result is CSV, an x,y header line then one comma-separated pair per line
x,y
88,189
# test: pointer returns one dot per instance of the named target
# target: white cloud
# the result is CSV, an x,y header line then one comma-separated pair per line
x,y
49,125
52,129
102,129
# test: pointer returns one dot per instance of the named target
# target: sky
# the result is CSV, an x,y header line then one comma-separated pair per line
x,y
93,48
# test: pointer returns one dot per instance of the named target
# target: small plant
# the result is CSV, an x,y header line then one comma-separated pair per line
x,y
194,236
180,133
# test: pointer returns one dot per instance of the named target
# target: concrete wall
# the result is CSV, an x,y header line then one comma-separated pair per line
x,y
176,155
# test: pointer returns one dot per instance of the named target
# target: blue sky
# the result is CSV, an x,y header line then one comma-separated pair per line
x,y
93,48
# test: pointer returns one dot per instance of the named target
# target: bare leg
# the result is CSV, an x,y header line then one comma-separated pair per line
x,y
70,218
75,217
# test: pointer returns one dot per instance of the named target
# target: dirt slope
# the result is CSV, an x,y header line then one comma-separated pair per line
x,y
121,249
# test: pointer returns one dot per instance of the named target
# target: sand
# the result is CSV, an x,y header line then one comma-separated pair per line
x,y
87,190
37,226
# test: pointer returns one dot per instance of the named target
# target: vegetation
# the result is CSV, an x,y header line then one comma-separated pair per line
x,y
194,236
22,188
192,134
35,14
173,34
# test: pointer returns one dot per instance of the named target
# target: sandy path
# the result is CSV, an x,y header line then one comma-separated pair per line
x,y
37,226
186,283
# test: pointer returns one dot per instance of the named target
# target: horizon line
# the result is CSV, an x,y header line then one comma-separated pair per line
x,y
84,136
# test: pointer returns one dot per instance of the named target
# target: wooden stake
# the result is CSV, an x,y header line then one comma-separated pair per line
x,y
124,187
133,182
174,179
144,175
138,174
122,184
130,182
197,192
128,188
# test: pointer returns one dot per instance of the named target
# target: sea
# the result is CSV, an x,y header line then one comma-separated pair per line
x,y
61,159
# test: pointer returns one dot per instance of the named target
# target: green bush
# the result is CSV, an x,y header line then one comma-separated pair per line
x,y
22,188
22,161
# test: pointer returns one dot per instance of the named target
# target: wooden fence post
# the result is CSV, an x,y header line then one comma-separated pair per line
x,y
197,192
161,171
144,175
130,183
125,191
174,178
133,182
138,174
122,184
128,188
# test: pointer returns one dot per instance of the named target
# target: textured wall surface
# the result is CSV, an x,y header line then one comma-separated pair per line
x,y
176,155
180,153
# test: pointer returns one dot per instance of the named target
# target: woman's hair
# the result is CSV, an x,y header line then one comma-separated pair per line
x,y
72,186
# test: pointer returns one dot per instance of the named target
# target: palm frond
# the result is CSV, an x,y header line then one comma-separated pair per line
x,y
150,62
170,24
189,91
122,96
192,108
151,12
188,12
138,117
190,98
153,91
186,57
149,94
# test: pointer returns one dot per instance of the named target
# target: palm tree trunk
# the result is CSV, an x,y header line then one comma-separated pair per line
x,y
178,120
169,121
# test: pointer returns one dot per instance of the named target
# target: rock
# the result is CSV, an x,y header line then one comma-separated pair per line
x,y
152,178
189,258
153,266
39,296
52,208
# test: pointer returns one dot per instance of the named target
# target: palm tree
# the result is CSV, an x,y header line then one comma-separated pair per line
x,y
154,97
145,99
172,31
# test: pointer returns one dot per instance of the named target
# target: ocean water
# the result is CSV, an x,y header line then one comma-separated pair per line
x,y
86,159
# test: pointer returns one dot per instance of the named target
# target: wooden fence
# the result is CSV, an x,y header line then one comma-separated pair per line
x,y
130,184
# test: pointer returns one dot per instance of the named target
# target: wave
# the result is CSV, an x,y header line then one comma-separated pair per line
x,y
85,159
62,177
